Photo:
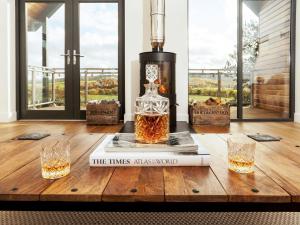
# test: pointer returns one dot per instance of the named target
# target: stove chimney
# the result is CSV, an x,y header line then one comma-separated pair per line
x,y
157,25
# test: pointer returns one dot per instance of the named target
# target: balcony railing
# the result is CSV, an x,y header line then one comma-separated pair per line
x,y
215,75
54,75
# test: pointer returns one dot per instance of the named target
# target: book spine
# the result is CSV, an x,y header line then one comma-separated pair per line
x,y
199,160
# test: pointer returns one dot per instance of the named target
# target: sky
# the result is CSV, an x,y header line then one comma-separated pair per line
x,y
213,32
98,37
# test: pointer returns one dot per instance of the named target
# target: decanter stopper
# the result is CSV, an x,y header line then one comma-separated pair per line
x,y
151,72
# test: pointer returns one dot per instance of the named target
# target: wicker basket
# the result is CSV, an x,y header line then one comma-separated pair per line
x,y
203,114
102,112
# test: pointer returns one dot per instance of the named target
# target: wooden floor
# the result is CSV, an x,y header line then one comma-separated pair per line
x,y
276,177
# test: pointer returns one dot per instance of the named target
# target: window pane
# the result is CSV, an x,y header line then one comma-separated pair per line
x,y
45,37
99,48
266,58
212,51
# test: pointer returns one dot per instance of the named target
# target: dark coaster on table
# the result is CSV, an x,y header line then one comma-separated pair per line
x,y
32,136
263,137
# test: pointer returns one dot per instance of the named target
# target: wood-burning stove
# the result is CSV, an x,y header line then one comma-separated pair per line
x,y
165,60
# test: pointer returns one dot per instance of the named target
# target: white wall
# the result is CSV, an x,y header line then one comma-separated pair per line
x,y
177,41
137,40
133,46
7,61
297,63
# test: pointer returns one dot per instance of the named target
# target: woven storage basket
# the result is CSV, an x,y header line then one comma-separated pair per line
x,y
103,112
203,114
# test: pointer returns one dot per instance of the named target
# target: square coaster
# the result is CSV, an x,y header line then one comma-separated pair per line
x,y
263,137
32,136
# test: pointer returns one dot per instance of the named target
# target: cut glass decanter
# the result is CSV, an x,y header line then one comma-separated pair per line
x,y
151,111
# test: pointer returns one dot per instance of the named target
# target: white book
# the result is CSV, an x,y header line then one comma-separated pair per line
x,y
100,158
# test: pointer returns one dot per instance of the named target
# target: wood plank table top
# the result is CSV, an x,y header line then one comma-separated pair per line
x,y
276,178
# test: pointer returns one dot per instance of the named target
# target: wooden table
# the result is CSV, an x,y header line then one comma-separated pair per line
x,y
274,184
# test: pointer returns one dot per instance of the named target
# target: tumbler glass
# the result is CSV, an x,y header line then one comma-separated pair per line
x,y
241,153
55,159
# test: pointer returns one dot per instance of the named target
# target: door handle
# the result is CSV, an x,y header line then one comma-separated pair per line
x,y
75,55
68,56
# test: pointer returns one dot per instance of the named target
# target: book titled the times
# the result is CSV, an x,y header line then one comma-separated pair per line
x,y
182,149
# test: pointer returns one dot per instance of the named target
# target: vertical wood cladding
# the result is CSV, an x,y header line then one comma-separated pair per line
x,y
272,68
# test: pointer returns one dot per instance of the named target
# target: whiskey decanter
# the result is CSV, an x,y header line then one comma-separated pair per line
x,y
151,111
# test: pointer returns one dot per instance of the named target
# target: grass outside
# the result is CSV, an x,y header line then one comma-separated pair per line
x,y
102,97
99,97
202,98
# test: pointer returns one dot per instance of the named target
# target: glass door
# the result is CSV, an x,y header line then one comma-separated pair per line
x,y
96,54
266,59
213,51
45,59
71,53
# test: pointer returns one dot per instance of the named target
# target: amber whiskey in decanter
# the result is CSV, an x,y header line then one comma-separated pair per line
x,y
151,111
